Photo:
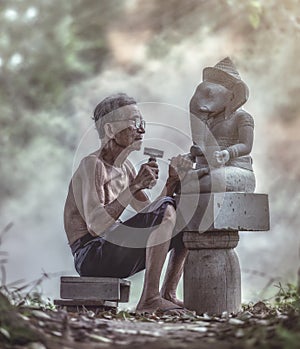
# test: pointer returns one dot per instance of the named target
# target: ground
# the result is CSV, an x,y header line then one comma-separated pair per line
x,y
257,326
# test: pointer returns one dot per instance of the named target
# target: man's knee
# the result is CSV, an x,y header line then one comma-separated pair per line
x,y
164,231
169,215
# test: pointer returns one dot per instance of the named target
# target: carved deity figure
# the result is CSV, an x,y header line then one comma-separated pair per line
x,y
222,133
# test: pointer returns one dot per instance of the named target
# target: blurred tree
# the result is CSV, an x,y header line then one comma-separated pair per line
x,y
92,20
48,45
175,20
45,46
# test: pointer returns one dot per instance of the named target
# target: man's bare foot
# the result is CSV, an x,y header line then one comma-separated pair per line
x,y
159,304
172,298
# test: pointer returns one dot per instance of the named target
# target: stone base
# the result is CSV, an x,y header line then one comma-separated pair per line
x,y
212,276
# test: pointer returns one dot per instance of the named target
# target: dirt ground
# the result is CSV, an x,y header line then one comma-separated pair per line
x,y
259,326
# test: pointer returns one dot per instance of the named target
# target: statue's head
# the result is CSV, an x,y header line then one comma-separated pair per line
x,y
221,89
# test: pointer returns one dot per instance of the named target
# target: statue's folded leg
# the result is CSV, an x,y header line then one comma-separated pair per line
x,y
223,179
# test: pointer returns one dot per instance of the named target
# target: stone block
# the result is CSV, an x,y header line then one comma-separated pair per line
x,y
94,288
230,211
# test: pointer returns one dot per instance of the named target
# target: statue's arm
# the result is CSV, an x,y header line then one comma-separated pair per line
x,y
245,132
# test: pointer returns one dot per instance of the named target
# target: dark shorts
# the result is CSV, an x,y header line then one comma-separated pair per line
x,y
123,252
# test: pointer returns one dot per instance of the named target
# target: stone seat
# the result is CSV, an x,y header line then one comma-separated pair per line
x,y
211,224
92,292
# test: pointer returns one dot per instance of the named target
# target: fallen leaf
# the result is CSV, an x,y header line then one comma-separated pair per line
x,y
125,331
198,329
40,315
235,322
98,338
246,315
36,345
56,334
4,332
23,317
225,315
240,333
150,334
173,328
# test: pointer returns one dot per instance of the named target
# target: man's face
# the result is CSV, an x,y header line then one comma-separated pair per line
x,y
210,98
129,131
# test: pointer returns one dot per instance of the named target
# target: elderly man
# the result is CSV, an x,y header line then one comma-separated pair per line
x,y
104,184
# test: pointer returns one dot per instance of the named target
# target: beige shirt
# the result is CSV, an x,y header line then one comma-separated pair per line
x,y
95,184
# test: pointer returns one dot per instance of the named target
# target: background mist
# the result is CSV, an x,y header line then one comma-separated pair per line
x,y
58,61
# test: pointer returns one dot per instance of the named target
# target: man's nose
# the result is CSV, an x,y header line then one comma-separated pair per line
x,y
141,129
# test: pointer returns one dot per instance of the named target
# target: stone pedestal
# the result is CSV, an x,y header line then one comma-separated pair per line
x,y
211,225
212,276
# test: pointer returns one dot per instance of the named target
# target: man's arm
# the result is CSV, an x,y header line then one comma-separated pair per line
x,y
141,199
178,168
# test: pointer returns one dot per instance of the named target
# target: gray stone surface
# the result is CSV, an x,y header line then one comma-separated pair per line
x,y
212,276
222,133
232,211
92,288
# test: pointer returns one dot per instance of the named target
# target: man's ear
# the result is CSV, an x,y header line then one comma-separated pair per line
x,y
108,129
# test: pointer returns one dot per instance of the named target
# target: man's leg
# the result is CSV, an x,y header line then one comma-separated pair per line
x,y
156,253
173,274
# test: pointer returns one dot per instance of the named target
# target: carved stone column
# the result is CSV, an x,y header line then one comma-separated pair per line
x,y
211,225
212,272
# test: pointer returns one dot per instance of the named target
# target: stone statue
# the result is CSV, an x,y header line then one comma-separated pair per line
x,y
222,133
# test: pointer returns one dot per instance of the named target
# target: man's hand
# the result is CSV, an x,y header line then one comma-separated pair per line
x,y
147,176
221,157
179,166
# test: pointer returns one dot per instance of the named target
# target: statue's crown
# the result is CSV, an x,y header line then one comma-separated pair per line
x,y
228,67
226,74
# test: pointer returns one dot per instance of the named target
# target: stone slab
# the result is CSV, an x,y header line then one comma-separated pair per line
x,y
93,288
223,212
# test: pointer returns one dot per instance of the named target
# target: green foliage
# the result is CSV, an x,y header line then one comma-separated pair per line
x,y
255,13
289,339
13,328
49,45
287,297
